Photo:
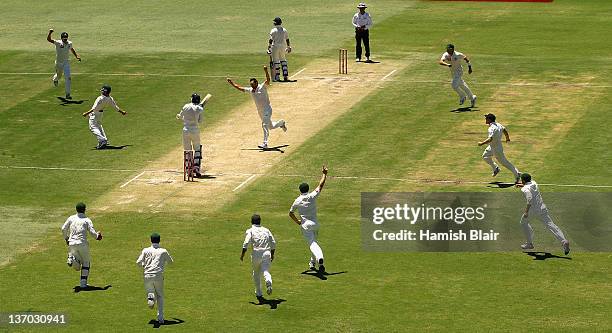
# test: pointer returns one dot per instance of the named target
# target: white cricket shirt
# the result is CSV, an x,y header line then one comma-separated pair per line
x,y
496,131
260,238
62,51
76,228
99,105
360,20
191,114
456,62
153,259
260,97
279,36
533,197
306,205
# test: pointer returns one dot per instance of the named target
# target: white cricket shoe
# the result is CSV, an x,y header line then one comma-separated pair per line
x,y
462,100
566,248
495,172
150,301
527,246
263,146
474,101
55,83
284,127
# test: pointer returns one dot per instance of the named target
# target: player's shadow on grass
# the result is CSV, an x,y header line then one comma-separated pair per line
x,y
78,289
544,256
370,62
500,185
275,148
111,147
65,101
464,109
167,322
321,275
273,303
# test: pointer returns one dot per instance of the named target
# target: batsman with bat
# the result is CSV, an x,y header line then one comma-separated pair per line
x,y
75,231
192,116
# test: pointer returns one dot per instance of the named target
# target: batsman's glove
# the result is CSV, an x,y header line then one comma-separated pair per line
x,y
99,237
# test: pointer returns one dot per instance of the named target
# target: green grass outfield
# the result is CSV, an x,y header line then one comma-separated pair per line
x,y
402,131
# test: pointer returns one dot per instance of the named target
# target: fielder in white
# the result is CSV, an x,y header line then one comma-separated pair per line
x,y
153,259
192,115
75,231
452,60
96,113
536,207
262,101
263,246
62,63
495,148
278,46
306,205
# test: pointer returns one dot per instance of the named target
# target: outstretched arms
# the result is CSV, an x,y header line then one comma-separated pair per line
x,y
234,84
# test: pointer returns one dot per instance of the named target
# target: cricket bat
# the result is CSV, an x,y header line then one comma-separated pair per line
x,y
205,100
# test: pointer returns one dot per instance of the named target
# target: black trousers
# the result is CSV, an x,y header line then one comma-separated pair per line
x,y
359,36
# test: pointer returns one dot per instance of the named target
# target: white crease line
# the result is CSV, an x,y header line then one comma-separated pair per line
x,y
296,74
133,179
386,76
251,175
244,182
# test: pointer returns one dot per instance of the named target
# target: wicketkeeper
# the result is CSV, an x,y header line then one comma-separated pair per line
x,y
75,231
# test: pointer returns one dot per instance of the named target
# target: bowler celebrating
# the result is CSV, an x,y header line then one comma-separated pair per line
x,y
62,64
452,60
96,112
262,101
495,147
153,259
306,205
536,207
75,231
263,246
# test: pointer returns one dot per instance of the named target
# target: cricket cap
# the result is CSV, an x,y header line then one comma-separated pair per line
x,y
490,116
304,188
80,207
277,20
155,237
256,219
525,178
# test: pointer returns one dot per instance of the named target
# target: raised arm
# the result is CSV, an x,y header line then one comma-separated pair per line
x,y
267,83
49,37
234,84
323,178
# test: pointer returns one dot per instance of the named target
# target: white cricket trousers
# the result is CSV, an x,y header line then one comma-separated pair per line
x,y
63,68
543,216
267,124
261,262
310,230
191,138
80,252
461,87
499,155
98,131
278,54
154,286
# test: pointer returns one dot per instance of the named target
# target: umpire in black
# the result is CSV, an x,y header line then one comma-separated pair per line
x,y
362,23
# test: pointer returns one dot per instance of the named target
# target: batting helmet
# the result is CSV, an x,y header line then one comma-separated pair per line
x,y
277,21
525,177
490,116
195,98
64,35
106,89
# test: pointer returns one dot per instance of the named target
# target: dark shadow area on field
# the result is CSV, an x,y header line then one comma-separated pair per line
x,y
273,303
78,289
111,147
500,185
206,177
275,148
544,255
65,101
167,322
321,275
283,81
370,62
464,109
